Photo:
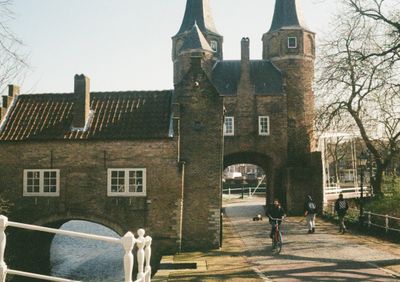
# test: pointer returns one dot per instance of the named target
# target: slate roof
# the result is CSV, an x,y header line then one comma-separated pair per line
x,y
287,14
115,116
265,77
195,41
198,11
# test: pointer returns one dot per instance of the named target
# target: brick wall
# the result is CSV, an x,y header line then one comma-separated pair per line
x,y
83,184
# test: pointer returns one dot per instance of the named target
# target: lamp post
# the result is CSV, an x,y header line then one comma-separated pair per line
x,y
362,162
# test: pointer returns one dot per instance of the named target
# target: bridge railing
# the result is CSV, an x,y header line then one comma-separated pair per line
x,y
245,191
332,192
389,223
383,221
128,241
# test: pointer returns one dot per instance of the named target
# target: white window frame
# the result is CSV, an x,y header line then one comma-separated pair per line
x,y
126,192
214,45
41,192
295,42
260,127
233,126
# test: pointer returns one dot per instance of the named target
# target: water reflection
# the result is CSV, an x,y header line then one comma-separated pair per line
x,y
84,259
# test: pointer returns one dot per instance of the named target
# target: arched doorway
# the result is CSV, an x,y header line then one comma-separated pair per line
x,y
273,177
244,180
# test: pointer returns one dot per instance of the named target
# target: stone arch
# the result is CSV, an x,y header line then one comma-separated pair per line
x,y
259,159
274,181
30,250
56,221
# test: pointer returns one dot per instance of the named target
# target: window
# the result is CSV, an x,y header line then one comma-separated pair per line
x,y
229,126
214,45
263,125
126,182
41,182
292,42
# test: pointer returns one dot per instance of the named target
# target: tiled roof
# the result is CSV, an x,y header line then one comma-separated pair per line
x,y
265,77
115,115
226,76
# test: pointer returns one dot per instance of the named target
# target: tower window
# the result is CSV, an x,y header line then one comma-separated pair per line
x,y
229,126
263,125
214,45
292,42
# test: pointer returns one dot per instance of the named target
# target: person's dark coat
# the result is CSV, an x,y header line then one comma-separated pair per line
x,y
276,212
309,206
341,207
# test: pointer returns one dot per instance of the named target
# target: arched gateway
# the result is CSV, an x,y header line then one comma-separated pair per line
x,y
154,159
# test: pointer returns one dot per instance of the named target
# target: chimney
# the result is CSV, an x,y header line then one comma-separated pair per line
x,y
245,60
81,107
245,49
13,91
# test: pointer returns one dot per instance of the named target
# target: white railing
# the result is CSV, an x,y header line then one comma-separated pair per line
x,y
246,191
332,192
128,241
386,218
338,190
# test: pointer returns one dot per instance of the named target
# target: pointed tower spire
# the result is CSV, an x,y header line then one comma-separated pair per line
x,y
195,41
287,14
198,11
197,37
288,25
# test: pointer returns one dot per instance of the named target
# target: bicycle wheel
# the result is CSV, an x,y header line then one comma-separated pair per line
x,y
277,243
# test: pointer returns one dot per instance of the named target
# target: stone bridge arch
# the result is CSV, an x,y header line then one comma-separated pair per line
x,y
56,221
30,250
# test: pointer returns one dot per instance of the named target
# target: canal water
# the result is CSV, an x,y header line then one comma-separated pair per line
x,y
84,259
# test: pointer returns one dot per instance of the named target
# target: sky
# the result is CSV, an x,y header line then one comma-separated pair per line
x,y
126,44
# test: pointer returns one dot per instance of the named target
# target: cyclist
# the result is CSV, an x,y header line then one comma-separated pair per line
x,y
275,211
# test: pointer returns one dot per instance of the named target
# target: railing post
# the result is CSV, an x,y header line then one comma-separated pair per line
x,y
369,219
249,192
140,242
387,223
128,241
229,191
3,239
147,254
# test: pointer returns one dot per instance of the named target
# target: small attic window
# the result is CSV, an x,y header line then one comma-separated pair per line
x,y
292,42
214,45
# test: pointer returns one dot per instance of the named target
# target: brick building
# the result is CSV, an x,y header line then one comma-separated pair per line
x,y
154,159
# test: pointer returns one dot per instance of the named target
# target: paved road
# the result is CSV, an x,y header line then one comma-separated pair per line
x,y
323,256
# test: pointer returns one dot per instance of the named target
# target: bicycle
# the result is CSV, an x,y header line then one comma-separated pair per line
x,y
277,241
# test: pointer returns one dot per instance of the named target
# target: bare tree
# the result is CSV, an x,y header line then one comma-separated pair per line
x,y
12,60
12,63
387,14
358,78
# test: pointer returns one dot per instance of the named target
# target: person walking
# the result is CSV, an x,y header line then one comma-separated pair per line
x,y
310,211
341,207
